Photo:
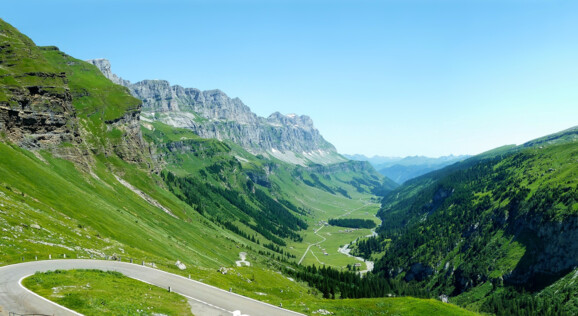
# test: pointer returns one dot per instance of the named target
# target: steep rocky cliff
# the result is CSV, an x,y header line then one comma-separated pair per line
x,y
51,101
212,114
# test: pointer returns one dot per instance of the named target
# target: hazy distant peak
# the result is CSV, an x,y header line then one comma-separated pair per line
x,y
401,169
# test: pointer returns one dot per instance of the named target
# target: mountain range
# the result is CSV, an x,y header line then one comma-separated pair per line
x,y
401,169
212,114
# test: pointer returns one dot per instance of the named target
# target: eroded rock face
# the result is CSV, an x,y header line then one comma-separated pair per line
x,y
212,114
36,109
159,96
132,146
40,115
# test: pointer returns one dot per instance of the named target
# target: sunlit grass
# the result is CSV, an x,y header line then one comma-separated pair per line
x,y
94,292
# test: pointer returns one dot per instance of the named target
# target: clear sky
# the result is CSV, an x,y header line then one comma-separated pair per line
x,y
392,78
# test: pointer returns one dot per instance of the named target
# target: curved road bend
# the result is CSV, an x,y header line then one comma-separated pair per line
x,y
204,299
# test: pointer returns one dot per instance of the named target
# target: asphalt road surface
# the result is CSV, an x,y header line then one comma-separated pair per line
x,y
204,299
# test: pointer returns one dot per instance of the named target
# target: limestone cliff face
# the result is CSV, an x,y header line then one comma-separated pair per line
x,y
212,114
160,97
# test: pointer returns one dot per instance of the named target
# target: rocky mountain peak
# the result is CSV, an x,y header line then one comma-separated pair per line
x,y
294,120
105,68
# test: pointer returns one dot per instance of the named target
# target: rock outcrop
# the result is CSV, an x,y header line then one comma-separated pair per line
x,y
212,114
132,148
39,116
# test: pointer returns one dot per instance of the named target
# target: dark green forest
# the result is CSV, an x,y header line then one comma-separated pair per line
x,y
333,284
352,222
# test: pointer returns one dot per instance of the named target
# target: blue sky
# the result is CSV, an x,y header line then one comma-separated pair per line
x,y
392,78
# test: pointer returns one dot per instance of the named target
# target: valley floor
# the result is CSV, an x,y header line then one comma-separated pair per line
x,y
323,244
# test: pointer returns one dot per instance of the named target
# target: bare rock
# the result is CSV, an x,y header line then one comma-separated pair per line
x,y
180,265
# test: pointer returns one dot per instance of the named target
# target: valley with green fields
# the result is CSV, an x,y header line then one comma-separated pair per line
x,y
192,183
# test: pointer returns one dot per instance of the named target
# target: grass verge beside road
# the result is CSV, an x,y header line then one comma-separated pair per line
x,y
95,292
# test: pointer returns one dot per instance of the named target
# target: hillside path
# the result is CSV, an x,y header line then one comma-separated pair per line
x,y
309,247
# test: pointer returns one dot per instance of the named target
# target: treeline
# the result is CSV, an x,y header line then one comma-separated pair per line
x,y
333,284
352,222
278,212
271,218
317,183
235,229
284,259
292,207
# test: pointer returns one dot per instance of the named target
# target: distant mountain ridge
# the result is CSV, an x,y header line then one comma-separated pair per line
x,y
401,169
213,114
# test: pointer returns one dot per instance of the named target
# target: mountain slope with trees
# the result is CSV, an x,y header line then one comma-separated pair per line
x,y
496,226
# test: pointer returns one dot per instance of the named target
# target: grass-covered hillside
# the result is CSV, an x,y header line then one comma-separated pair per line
x,y
490,228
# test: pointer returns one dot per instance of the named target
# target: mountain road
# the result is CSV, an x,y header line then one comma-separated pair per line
x,y
204,299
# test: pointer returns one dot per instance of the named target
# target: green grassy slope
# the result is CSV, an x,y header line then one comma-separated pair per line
x,y
90,89
80,214
94,292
